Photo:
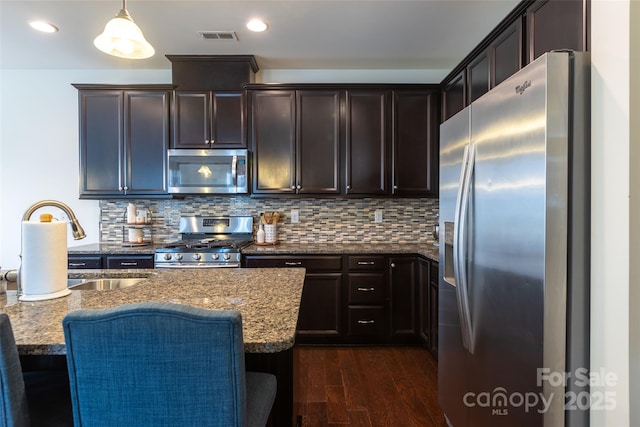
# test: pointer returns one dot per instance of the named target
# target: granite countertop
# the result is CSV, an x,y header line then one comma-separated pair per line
x,y
427,250
269,300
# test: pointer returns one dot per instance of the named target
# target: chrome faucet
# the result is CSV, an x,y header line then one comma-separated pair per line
x,y
76,228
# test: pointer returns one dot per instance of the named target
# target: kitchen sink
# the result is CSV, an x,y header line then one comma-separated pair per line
x,y
104,284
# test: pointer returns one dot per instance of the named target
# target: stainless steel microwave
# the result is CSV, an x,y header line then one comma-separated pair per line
x,y
208,171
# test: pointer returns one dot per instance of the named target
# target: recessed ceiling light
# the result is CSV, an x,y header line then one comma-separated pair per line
x,y
43,26
256,25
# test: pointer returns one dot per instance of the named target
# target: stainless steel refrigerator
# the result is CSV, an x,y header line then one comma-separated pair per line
x,y
513,323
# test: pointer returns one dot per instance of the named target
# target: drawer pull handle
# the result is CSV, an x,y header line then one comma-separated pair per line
x,y
366,263
129,263
293,263
77,264
366,289
366,322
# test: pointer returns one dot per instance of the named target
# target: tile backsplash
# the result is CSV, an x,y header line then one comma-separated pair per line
x,y
322,220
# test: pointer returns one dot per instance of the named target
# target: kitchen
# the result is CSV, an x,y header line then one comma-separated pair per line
x,y
613,276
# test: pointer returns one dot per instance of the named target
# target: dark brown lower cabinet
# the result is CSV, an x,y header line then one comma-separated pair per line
x,y
433,309
363,299
403,318
101,261
320,316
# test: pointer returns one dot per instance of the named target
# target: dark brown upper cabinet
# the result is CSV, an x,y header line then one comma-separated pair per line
x,y
532,28
453,95
506,53
124,136
367,155
478,76
557,24
209,119
296,141
415,143
273,123
318,141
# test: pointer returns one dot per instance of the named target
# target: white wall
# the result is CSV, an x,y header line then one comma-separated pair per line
x,y
39,146
615,188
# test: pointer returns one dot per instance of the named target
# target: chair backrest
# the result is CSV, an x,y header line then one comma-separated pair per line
x,y
13,408
156,364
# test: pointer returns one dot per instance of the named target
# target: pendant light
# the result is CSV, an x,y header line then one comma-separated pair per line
x,y
123,38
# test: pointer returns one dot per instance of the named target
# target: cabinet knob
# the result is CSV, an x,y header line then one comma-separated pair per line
x,y
213,141
126,188
393,265
120,188
348,187
298,187
293,187
395,187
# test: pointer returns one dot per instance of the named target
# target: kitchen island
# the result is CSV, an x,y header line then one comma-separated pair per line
x,y
268,299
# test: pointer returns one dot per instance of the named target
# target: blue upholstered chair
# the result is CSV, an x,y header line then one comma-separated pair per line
x,y
162,364
36,398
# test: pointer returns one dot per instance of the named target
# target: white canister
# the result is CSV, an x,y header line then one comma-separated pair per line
x,y
135,235
270,233
132,212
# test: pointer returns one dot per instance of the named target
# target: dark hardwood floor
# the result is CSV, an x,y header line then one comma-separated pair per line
x,y
366,386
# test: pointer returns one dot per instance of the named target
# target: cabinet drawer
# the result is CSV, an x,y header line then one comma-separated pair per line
x,y
366,288
121,262
367,263
315,263
79,262
367,321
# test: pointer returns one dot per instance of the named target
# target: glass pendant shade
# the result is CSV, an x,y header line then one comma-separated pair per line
x,y
123,38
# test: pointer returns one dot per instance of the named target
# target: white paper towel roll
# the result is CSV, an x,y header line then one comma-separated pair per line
x,y
43,273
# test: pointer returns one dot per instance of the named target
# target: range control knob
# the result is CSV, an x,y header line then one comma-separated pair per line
x,y
196,256
178,257
215,256
167,256
227,256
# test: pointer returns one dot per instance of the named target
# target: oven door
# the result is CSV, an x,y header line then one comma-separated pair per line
x,y
207,171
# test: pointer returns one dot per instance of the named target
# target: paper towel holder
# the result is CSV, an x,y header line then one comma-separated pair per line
x,y
76,228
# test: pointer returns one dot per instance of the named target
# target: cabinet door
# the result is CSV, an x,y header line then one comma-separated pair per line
x,y
478,77
318,141
146,141
506,53
404,318
433,310
228,122
367,163
415,144
424,291
191,120
556,24
101,133
453,96
320,307
273,138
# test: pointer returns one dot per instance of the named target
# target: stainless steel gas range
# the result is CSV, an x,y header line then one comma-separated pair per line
x,y
207,242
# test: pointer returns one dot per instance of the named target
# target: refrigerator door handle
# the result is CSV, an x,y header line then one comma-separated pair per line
x,y
460,250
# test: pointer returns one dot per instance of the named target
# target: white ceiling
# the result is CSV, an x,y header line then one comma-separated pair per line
x,y
302,34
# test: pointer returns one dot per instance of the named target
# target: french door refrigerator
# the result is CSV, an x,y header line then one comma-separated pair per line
x,y
514,278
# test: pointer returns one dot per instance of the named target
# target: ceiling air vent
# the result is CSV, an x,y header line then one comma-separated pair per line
x,y
218,35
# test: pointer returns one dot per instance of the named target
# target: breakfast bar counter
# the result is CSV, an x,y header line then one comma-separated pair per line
x,y
268,299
